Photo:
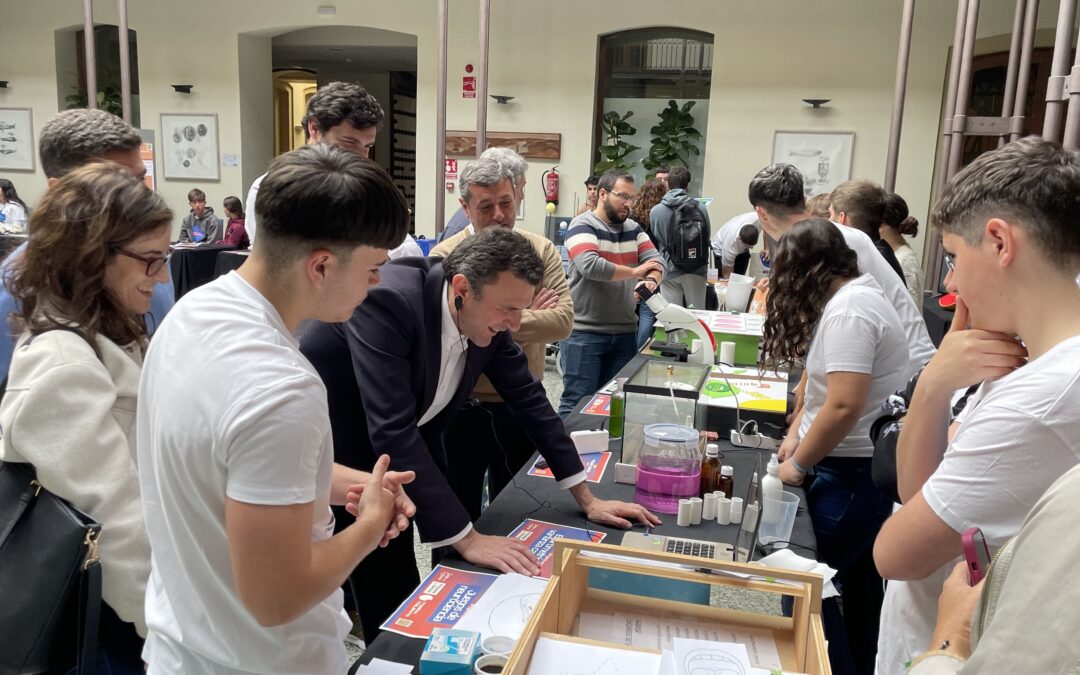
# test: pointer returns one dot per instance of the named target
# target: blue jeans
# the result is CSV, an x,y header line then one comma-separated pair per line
x,y
646,321
847,511
589,361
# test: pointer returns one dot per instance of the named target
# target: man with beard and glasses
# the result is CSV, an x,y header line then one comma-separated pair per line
x,y
610,256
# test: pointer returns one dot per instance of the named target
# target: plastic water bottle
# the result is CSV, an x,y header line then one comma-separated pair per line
x,y
771,487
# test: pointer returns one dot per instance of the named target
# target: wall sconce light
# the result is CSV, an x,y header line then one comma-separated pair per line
x,y
816,102
502,99
3,84
182,88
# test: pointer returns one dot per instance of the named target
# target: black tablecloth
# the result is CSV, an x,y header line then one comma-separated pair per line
x,y
228,261
938,319
193,267
514,505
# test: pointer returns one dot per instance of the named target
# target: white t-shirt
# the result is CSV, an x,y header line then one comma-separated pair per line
x,y
247,419
407,247
14,218
726,243
1018,435
249,208
920,348
859,332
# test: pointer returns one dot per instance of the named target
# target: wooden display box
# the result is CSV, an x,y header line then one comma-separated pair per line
x,y
800,639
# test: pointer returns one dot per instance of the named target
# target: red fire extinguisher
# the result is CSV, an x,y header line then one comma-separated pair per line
x,y
550,180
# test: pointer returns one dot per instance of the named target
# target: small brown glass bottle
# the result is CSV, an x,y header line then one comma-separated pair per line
x,y
710,469
726,483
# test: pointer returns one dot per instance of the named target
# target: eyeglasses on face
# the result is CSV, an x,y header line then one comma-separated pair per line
x,y
950,260
625,197
153,264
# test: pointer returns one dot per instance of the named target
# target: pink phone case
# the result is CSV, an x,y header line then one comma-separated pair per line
x,y
976,553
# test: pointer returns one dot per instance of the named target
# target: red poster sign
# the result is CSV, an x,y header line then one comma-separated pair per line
x,y
468,87
451,169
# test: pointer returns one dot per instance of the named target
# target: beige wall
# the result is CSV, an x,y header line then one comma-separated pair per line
x,y
768,56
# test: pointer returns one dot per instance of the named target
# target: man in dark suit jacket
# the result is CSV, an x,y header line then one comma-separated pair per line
x,y
399,371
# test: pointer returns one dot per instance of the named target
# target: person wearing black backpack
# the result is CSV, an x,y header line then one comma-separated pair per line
x,y
681,228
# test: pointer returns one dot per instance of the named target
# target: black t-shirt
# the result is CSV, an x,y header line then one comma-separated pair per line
x,y
890,257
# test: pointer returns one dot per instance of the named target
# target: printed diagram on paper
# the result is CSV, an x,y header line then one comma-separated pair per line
x,y
657,632
702,657
505,607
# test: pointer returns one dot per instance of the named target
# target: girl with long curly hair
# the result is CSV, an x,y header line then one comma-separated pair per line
x,y
823,313
651,193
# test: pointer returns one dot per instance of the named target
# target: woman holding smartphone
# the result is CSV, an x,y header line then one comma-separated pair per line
x,y
99,243
823,313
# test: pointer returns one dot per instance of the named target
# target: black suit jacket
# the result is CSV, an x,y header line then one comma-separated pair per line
x,y
381,370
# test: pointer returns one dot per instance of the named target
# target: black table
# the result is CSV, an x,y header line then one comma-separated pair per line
x,y
938,319
514,504
227,261
193,267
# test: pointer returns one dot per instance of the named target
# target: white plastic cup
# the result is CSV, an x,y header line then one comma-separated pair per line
x,y
723,511
708,508
695,346
727,353
712,275
695,510
682,519
498,644
736,510
777,530
739,290
490,663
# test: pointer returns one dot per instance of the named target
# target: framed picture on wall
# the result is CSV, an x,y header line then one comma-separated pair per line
x,y
16,139
823,157
189,146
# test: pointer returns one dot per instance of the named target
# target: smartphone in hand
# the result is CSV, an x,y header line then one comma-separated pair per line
x,y
976,553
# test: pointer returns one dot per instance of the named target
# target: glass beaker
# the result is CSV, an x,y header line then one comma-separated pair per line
x,y
669,467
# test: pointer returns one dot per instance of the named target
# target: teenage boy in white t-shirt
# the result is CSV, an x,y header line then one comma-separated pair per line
x,y
1008,224
235,451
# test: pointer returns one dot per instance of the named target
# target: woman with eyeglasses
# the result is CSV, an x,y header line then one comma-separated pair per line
x,y
823,313
99,242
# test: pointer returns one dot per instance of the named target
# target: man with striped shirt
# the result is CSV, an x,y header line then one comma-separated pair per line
x,y
610,256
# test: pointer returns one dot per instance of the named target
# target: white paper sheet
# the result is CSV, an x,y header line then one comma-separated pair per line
x,y
706,657
382,667
505,607
555,657
667,663
656,632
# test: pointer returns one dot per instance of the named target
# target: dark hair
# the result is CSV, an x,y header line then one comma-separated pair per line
x,y
320,196
806,263
749,234
818,205
650,195
11,195
679,178
234,205
482,257
896,216
76,230
593,179
663,168
340,102
196,195
863,203
1030,182
612,176
778,188
74,137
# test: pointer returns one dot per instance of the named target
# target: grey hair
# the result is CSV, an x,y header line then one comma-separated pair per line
x,y
514,163
74,137
485,172
482,257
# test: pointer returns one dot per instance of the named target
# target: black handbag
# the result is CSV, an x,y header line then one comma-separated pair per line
x,y
50,577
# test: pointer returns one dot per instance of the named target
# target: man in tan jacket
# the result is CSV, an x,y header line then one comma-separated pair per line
x,y
485,435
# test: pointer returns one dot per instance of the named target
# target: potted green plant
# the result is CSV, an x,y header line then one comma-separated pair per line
x,y
674,139
614,150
